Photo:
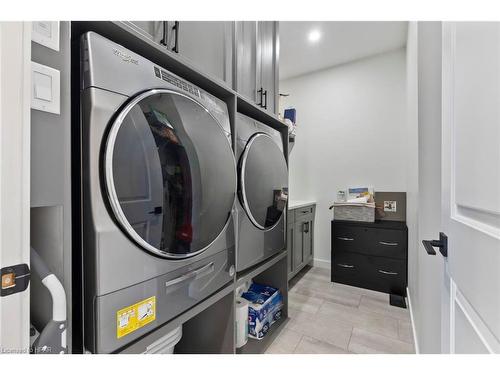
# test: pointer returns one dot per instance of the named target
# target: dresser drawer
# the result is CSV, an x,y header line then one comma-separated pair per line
x,y
370,272
389,243
347,268
387,275
370,241
348,238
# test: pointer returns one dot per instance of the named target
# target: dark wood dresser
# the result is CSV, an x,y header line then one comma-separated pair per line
x,y
372,256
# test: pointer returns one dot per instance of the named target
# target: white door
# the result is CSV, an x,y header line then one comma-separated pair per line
x,y
471,186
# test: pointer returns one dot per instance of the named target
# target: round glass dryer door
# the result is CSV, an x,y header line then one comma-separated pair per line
x,y
170,174
263,181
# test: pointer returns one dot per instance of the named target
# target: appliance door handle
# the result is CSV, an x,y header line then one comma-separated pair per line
x,y
345,239
176,40
387,272
194,274
388,243
345,265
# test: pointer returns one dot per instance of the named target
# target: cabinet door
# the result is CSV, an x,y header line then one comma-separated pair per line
x,y
246,59
209,46
150,29
298,245
289,246
267,36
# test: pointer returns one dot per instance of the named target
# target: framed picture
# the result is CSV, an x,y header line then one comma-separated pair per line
x,y
390,206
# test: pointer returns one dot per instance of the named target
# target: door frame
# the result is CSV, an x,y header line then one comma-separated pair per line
x,y
15,103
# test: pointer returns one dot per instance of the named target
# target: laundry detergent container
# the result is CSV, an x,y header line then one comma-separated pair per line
x,y
166,344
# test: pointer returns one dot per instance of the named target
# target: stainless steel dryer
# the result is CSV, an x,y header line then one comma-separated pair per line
x,y
159,186
262,192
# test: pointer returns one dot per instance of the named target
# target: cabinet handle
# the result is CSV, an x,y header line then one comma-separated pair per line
x,y
176,45
388,243
305,212
305,227
345,265
261,92
345,239
265,99
387,272
164,39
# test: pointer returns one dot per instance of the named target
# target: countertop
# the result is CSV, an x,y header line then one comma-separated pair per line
x,y
298,204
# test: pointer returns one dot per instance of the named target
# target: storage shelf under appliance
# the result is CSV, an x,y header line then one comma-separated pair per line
x,y
254,346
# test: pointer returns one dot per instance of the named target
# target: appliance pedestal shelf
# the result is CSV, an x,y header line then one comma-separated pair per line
x,y
254,346
272,272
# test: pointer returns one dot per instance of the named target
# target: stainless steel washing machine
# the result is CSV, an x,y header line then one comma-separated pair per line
x,y
158,190
262,192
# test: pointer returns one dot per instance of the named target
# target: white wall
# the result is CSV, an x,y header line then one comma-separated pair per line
x,y
351,132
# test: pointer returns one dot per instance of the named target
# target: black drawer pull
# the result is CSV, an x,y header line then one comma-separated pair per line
x,y
387,272
305,212
388,243
345,265
345,238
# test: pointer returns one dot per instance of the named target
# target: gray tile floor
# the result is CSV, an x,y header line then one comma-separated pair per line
x,y
328,318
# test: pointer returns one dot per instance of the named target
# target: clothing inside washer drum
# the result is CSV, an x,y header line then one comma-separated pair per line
x,y
170,174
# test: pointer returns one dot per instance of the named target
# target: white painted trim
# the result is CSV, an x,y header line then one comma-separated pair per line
x,y
485,335
412,319
453,291
322,263
15,99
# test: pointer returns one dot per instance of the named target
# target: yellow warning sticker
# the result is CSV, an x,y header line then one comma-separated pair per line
x,y
131,318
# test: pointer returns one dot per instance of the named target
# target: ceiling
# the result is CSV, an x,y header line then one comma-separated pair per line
x,y
340,42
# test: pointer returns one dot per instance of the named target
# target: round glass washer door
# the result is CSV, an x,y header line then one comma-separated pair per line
x,y
263,181
170,174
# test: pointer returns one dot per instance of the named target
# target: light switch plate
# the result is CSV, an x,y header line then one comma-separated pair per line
x,y
45,88
46,33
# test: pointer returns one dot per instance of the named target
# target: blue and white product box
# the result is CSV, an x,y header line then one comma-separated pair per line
x,y
264,309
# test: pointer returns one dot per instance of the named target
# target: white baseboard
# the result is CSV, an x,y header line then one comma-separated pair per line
x,y
413,328
322,263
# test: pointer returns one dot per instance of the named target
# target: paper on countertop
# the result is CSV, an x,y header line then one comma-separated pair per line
x,y
363,199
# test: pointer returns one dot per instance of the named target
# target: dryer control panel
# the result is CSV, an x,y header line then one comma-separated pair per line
x,y
173,80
